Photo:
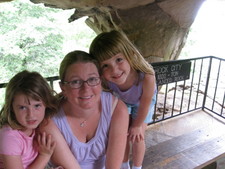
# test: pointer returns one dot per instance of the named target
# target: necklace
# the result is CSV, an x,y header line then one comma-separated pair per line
x,y
82,124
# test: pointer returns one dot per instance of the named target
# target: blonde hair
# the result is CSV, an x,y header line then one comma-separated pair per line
x,y
34,86
109,44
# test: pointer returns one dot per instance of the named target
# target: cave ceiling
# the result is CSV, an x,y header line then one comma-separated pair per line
x,y
159,28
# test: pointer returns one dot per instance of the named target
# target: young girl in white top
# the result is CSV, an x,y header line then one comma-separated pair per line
x,y
129,76
28,101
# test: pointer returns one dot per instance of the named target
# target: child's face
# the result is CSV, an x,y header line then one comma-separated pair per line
x,y
116,69
29,112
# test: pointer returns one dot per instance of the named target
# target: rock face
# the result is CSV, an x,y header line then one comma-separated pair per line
x,y
158,28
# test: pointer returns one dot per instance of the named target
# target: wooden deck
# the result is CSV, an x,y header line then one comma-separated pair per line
x,y
191,141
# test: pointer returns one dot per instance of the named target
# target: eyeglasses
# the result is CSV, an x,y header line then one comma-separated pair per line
x,y
76,84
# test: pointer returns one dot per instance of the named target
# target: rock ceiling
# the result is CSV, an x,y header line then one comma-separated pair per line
x,y
159,28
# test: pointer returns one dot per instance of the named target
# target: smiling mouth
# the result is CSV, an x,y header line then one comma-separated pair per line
x,y
85,97
117,76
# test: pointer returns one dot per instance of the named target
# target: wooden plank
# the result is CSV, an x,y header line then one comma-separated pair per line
x,y
193,150
208,152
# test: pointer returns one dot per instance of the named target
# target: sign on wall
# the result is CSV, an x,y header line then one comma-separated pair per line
x,y
172,71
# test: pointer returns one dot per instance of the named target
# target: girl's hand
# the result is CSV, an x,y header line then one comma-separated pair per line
x,y
45,144
135,134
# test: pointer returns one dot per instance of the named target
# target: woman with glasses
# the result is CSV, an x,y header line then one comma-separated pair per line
x,y
93,123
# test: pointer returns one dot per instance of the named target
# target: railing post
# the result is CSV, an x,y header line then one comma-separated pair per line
x,y
207,82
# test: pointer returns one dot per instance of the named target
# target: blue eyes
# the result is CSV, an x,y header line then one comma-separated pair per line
x,y
90,81
22,107
76,84
104,66
36,106
118,60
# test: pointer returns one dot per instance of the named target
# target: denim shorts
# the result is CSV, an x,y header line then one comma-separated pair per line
x,y
133,109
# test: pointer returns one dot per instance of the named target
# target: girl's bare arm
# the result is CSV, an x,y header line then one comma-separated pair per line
x,y
136,129
12,162
146,98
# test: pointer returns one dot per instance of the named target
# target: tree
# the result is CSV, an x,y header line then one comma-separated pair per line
x,y
33,37
36,38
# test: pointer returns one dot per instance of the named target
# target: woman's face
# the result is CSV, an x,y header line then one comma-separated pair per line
x,y
86,96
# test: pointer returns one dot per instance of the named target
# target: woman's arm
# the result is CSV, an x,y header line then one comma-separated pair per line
x,y
117,137
62,156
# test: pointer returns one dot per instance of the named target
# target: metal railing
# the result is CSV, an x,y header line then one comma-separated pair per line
x,y
203,87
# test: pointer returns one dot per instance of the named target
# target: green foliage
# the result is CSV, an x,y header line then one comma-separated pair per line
x,y
36,38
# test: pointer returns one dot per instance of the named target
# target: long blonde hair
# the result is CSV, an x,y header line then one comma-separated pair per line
x,y
108,44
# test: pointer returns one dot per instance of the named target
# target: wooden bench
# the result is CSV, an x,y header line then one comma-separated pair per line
x,y
194,150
